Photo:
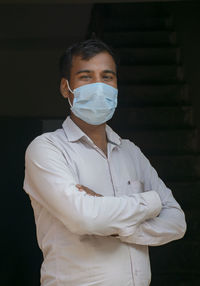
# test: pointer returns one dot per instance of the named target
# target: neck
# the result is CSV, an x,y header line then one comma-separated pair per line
x,y
97,133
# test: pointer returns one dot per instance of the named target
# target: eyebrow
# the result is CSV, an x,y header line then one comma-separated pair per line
x,y
89,71
83,71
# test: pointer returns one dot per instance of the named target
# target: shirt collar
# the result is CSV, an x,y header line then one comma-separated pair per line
x,y
74,133
112,137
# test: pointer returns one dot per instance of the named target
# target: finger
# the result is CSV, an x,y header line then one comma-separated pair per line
x,y
80,189
78,186
98,195
87,190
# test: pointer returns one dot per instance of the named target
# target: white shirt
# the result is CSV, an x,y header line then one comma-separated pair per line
x,y
74,229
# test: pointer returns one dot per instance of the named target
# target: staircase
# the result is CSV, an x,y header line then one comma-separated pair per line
x,y
155,112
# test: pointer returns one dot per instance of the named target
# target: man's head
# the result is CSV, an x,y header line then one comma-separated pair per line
x,y
87,62
89,73
86,50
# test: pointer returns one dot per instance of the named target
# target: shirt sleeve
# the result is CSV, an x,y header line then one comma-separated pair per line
x,y
51,181
170,223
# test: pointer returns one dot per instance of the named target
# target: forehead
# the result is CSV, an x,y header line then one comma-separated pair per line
x,y
99,62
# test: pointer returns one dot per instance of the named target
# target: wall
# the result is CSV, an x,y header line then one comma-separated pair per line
x,y
187,22
32,38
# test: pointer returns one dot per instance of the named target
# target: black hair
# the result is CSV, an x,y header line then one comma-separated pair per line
x,y
86,49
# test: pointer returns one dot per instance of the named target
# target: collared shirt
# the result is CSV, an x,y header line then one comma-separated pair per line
x,y
74,230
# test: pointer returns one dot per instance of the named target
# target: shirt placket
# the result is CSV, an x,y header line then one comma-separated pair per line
x,y
110,148
109,152
112,175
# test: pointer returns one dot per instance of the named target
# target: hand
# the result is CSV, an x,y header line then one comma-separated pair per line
x,y
88,191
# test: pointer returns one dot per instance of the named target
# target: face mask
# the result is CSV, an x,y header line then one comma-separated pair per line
x,y
94,103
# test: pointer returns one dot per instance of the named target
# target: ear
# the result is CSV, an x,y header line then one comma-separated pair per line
x,y
64,88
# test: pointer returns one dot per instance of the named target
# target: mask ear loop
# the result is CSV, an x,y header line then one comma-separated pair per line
x,y
70,91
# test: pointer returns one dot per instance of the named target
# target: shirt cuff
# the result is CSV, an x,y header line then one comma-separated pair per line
x,y
154,204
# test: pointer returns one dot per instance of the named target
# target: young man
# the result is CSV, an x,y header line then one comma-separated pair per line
x,y
98,203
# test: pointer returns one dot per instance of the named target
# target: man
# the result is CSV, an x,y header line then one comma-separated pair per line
x,y
98,203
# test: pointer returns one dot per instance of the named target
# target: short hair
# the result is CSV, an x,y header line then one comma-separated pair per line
x,y
86,49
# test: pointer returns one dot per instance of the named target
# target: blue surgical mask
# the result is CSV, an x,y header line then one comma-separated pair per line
x,y
94,103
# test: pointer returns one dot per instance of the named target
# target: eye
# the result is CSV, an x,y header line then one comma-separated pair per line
x,y
85,77
107,77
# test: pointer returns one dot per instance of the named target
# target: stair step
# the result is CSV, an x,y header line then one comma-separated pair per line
x,y
151,74
128,23
140,38
156,117
134,9
186,193
153,94
146,56
163,141
177,168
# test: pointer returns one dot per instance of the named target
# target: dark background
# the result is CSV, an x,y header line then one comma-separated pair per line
x,y
32,38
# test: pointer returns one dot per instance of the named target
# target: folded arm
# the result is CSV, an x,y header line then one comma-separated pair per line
x,y
51,181
170,223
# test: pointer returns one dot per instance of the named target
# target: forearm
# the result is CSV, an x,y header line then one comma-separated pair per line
x,y
168,226
84,214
